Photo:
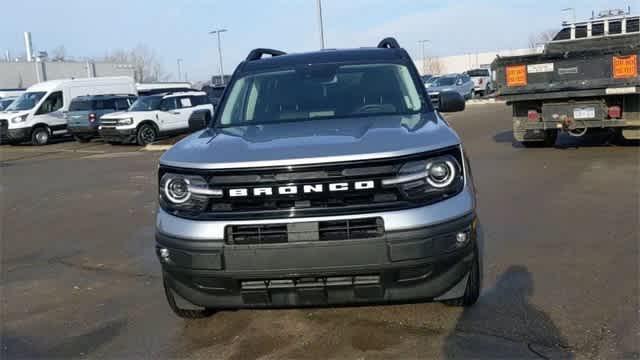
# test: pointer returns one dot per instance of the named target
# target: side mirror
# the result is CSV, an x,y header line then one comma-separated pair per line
x,y
450,101
199,120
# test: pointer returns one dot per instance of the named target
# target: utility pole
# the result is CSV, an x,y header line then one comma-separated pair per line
x,y
218,32
320,23
424,61
179,69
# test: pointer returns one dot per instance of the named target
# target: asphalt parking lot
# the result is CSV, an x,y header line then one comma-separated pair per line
x,y
79,276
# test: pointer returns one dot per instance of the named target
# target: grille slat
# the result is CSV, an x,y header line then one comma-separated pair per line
x,y
326,231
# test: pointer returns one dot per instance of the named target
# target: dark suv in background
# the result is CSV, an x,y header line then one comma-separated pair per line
x,y
83,117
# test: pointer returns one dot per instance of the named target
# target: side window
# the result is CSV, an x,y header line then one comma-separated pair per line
x,y
615,27
121,104
185,102
51,104
200,100
168,104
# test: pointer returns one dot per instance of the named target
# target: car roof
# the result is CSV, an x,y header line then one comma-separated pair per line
x,y
327,56
183,93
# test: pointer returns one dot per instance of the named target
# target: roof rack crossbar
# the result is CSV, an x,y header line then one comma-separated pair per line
x,y
389,43
256,54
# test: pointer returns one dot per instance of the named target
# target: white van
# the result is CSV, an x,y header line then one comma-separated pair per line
x,y
39,113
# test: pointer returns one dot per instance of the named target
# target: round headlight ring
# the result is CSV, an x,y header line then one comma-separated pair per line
x,y
441,183
170,187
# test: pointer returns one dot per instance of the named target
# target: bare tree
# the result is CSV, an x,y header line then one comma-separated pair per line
x,y
434,66
59,53
148,67
542,37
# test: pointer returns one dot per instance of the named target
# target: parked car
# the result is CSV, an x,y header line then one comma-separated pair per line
x,y
432,80
214,92
83,117
38,114
6,101
460,83
482,84
425,78
323,179
152,116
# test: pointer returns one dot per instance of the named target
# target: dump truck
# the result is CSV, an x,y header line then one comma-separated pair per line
x,y
584,80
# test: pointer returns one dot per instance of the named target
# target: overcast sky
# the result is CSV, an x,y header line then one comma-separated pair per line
x,y
179,28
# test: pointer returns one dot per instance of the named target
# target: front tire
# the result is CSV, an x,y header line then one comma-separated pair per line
x,y
40,135
472,291
146,134
184,313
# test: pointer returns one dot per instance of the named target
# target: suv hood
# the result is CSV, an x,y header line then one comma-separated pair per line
x,y
117,115
311,142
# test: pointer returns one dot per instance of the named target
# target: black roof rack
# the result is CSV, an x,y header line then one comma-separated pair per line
x,y
256,54
389,43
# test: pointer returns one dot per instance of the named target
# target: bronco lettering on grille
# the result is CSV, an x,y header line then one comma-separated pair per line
x,y
302,189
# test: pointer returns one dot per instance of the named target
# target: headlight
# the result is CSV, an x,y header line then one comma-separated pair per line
x,y
19,119
430,179
127,121
185,192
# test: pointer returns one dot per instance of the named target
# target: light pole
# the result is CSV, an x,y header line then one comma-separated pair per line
x,y
217,32
320,23
424,63
179,69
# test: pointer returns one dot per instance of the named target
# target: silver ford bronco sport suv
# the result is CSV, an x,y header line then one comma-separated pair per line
x,y
324,178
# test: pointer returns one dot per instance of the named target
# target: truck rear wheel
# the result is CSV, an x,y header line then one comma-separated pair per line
x,y
184,313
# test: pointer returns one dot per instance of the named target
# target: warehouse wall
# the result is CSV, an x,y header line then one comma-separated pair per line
x,y
461,63
25,74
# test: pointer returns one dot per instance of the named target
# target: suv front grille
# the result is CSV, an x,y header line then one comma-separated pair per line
x,y
241,198
108,122
316,231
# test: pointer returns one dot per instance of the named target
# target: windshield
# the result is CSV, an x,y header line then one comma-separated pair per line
x,y
321,91
446,81
146,103
478,72
26,101
5,102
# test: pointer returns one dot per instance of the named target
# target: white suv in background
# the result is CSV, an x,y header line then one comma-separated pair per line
x,y
482,84
153,116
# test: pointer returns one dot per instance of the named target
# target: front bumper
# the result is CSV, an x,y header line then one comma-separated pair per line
x,y
118,135
402,265
83,130
14,135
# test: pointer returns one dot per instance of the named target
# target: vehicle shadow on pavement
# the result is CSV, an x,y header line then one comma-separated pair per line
x,y
504,324
565,141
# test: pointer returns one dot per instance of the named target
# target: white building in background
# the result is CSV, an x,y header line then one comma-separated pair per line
x,y
461,63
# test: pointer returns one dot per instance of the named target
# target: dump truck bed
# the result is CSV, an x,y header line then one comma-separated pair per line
x,y
574,68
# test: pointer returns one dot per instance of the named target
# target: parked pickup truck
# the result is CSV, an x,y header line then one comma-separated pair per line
x,y
585,79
